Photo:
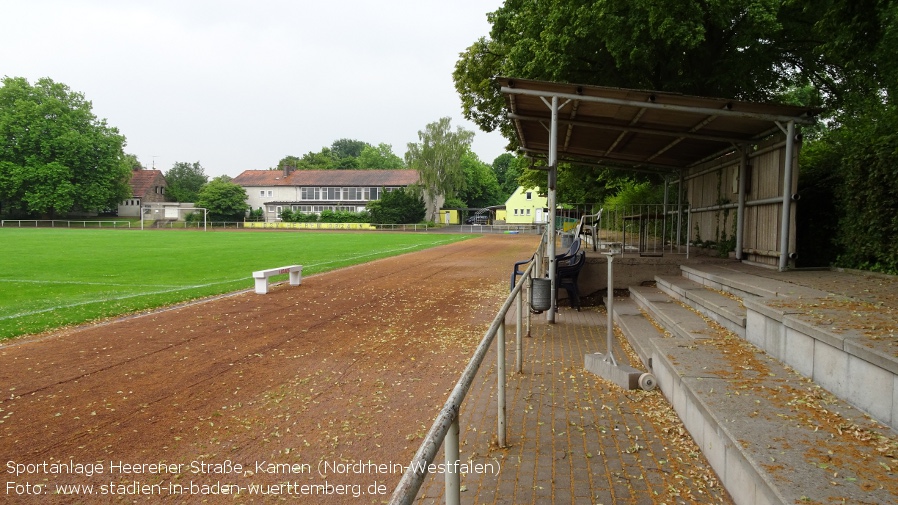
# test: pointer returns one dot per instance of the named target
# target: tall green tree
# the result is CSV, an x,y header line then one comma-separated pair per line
x,y
287,161
380,158
507,168
185,181
322,160
481,187
437,158
745,49
348,148
397,207
342,154
224,200
55,155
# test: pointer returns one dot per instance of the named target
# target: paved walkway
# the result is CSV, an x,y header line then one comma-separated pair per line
x,y
572,436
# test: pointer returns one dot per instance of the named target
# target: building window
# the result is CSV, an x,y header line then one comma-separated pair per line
x,y
269,193
528,212
530,195
262,193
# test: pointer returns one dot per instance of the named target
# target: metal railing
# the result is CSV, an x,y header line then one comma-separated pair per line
x,y
502,228
445,428
646,229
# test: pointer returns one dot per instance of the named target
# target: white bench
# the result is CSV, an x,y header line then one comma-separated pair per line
x,y
262,276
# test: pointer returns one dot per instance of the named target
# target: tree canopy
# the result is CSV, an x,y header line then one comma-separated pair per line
x,y
437,158
224,200
744,49
346,154
481,186
838,54
55,155
185,181
380,158
397,207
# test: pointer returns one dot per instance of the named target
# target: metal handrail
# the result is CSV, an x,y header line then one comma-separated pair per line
x,y
445,428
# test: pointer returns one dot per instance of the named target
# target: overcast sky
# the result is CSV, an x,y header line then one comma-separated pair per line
x,y
238,85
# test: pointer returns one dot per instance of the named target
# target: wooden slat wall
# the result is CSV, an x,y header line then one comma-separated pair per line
x,y
762,222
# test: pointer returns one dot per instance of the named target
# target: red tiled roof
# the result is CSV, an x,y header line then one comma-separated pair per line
x,y
369,178
143,181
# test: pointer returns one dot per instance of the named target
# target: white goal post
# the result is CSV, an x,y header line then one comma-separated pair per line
x,y
169,212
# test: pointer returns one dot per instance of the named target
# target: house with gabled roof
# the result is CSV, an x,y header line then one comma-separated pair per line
x,y
526,206
147,186
313,191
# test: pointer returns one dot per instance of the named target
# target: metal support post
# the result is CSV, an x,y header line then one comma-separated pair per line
x,y
519,344
500,377
552,203
785,224
450,448
610,306
680,211
664,215
529,294
740,212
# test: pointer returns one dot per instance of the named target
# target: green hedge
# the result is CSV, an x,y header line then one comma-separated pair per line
x,y
851,171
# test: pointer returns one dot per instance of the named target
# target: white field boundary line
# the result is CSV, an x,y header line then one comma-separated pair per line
x,y
111,299
85,283
184,288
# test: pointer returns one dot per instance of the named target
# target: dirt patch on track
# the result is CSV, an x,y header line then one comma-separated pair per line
x,y
351,367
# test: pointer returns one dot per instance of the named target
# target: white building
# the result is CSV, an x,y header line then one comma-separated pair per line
x,y
313,191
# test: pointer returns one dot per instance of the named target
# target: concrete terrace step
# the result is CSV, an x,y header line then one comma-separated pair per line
x,y
771,435
745,285
677,319
726,311
843,343
639,330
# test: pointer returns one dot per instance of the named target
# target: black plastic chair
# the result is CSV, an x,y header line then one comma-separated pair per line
x,y
566,277
517,271
562,259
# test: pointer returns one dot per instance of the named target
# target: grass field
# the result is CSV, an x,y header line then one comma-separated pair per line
x,y
51,278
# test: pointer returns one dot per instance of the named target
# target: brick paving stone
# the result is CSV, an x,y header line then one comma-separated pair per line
x,y
572,437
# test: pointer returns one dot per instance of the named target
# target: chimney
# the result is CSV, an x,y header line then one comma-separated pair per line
x,y
288,169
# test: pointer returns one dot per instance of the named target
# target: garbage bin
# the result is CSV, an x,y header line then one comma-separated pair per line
x,y
566,240
540,294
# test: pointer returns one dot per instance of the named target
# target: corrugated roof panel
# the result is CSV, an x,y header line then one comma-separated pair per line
x,y
659,129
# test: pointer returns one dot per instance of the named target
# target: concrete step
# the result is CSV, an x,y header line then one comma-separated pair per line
x,y
726,311
771,435
639,330
843,344
678,320
745,285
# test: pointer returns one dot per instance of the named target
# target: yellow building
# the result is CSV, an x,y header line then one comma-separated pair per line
x,y
449,216
526,206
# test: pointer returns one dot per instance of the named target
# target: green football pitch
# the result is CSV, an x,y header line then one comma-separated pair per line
x,y
51,278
